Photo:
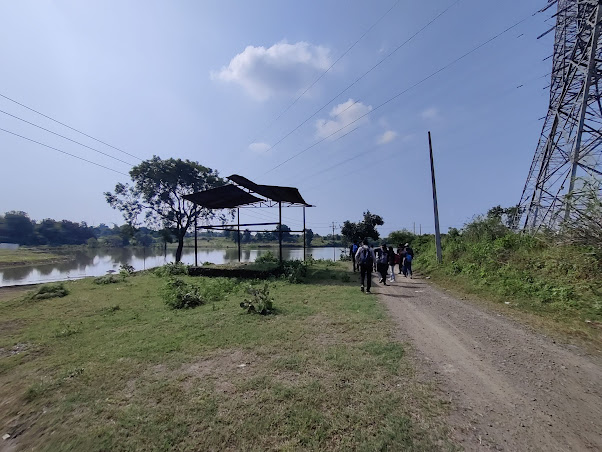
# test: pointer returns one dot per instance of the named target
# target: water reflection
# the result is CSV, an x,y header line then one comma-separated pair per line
x,y
97,262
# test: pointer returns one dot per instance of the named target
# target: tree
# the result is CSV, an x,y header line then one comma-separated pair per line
x,y
355,232
16,227
158,191
400,237
309,236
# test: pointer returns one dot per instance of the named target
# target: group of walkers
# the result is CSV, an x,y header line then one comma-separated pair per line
x,y
366,259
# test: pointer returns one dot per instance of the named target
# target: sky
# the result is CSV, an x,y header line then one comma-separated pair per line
x,y
232,85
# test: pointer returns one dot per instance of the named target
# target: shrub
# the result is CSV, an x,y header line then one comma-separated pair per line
x,y
295,271
217,289
266,257
178,294
107,279
345,278
126,270
47,291
258,301
172,269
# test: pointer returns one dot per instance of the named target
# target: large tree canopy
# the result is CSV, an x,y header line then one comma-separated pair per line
x,y
157,194
355,232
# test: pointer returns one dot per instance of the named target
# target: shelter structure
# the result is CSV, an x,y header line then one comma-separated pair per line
x,y
243,193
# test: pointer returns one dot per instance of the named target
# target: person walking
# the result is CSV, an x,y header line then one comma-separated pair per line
x,y
365,260
392,256
408,260
382,263
352,251
401,251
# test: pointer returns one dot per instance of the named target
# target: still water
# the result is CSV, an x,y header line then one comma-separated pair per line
x,y
91,262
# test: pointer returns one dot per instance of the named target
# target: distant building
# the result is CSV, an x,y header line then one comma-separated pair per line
x,y
9,246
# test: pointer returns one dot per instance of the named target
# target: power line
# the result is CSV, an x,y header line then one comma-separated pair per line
x,y
66,138
362,76
69,127
331,66
63,152
402,92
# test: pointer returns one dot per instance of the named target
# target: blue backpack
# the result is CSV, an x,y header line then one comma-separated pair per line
x,y
408,258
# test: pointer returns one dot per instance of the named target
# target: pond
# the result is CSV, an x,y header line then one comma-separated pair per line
x,y
94,262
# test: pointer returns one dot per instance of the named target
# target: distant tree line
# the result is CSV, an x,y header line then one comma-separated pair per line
x,y
17,227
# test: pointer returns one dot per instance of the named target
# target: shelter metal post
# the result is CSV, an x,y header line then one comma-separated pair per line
x,y
280,229
304,241
435,207
196,248
238,230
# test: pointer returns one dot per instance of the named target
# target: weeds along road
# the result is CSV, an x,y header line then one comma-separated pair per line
x,y
509,388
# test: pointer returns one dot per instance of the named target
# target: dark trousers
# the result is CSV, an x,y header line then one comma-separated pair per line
x,y
407,268
366,273
382,269
353,260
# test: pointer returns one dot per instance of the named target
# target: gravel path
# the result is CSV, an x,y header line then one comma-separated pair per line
x,y
509,388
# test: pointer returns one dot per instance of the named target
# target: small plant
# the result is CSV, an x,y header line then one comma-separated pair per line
x,y
66,330
107,279
258,301
178,294
345,278
172,269
50,291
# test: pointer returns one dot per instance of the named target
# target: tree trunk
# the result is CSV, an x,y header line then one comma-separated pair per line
x,y
180,246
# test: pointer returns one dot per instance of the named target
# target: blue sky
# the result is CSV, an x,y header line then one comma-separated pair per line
x,y
206,81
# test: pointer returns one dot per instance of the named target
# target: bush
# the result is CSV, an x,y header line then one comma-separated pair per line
x,y
266,258
172,269
126,270
178,294
107,279
47,291
295,271
258,301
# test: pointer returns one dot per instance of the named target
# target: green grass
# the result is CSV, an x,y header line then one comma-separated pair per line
x,y
110,367
558,283
24,256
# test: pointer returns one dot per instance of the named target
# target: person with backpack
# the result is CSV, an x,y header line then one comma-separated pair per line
x,y
382,263
408,260
365,259
401,251
392,262
352,251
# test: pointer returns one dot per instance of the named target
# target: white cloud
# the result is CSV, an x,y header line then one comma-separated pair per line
x,y
259,147
281,69
430,113
386,137
343,114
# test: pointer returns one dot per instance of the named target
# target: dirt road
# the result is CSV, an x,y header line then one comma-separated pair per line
x,y
509,388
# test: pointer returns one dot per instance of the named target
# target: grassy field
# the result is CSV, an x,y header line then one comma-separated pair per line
x,y
111,367
24,256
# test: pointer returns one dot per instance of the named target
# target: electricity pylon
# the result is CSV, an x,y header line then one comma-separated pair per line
x,y
567,166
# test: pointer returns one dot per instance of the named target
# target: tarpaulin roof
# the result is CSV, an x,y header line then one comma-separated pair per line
x,y
224,197
230,196
273,192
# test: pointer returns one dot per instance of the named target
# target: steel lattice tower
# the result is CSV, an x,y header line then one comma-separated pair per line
x,y
568,160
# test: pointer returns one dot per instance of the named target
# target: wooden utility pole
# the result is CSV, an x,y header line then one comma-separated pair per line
x,y
238,231
280,231
304,240
196,245
334,257
435,207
